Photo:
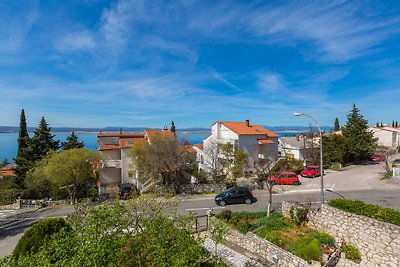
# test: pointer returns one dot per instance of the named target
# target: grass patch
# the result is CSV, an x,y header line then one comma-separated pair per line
x,y
352,253
387,175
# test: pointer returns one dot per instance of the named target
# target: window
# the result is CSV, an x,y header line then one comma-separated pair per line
x,y
129,142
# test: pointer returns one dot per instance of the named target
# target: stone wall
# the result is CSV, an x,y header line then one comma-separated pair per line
x,y
263,248
202,188
15,206
378,242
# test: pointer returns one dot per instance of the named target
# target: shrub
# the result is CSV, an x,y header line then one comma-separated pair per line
x,y
324,238
352,253
369,210
36,236
387,175
226,214
8,196
336,166
308,249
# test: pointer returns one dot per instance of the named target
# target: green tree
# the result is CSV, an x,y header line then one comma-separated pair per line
x,y
72,142
393,123
172,129
42,141
235,159
70,169
334,148
396,124
336,127
360,141
4,163
23,159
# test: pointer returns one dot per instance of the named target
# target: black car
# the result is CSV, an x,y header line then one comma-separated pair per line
x,y
234,195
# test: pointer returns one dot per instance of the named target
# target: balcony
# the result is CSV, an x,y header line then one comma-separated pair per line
x,y
111,163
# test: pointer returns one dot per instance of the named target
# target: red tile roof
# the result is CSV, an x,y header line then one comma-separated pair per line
x,y
199,146
265,141
123,143
8,170
164,133
245,128
123,135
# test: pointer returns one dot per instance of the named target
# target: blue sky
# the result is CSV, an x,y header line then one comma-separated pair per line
x,y
133,63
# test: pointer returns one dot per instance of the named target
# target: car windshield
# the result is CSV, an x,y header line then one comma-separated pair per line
x,y
311,169
227,192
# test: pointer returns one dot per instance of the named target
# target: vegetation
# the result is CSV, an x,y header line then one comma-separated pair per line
x,y
22,159
336,126
138,232
352,253
35,237
355,144
369,210
299,239
235,158
387,175
72,142
4,163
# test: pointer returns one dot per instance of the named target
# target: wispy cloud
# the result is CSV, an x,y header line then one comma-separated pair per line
x,y
77,41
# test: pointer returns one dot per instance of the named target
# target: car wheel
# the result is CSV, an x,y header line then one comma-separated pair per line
x,y
222,203
248,201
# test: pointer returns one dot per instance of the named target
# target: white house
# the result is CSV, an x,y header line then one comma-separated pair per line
x,y
257,141
297,147
115,167
387,136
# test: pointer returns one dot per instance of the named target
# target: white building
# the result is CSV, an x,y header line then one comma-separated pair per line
x,y
387,136
116,166
258,142
299,148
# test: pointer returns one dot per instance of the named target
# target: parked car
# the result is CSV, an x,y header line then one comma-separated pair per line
x,y
289,178
377,158
311,171
396,163
235,195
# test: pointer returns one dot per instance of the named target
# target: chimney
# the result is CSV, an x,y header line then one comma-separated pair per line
x,y
248,123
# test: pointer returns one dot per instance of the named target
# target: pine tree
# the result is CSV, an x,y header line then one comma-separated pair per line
x,y
392,123
172,129
396,124
23,158
336,127
42,141
360,142
72,142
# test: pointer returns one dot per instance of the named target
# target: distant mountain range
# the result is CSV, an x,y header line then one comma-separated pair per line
x,y
15,129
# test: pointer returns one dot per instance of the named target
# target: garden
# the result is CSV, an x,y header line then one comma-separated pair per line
x,y
292,234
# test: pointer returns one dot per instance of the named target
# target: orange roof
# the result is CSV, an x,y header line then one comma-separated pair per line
x,y
165,133
199,146
265,141
245,128
123,135
123,143
8,170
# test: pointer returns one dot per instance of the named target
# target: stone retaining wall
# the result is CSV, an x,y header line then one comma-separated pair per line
x,y
378,242
15,206
263,248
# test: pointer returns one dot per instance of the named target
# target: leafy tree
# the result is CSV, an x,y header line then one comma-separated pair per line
x,y
23,159
42,141
71,169
138,232
360,142
72,142
210,158
37,184
334,149
336,127
162,156
235,159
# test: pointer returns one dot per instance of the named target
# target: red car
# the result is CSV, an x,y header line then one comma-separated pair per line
x,y
377,158
311,171
284,178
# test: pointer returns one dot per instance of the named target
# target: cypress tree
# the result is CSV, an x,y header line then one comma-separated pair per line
x,y
72,142
336,127
396,124
360,142
23,158
172,129
42,141
392,123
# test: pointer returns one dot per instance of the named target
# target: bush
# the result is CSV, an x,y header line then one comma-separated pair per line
x,y
324,238
387,175
352,253
335,166
308,249
369,210
8,196
36,236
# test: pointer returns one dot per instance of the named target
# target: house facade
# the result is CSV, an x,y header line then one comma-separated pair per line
x,y
116,168
300,148
258,142
387,136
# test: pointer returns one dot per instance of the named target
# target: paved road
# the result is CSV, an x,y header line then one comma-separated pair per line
x,y
14,223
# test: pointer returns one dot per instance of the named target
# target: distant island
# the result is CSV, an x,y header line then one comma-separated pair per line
x,y
15,129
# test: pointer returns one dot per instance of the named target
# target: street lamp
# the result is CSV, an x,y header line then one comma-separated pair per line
x,y
320,152
330,190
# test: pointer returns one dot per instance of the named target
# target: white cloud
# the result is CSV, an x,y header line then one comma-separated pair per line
x,y
77,41
271,82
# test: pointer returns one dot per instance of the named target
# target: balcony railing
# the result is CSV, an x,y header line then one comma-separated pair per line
x,y
111,163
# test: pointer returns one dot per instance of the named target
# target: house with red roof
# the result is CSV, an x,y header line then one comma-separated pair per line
x,y
116,168
257,141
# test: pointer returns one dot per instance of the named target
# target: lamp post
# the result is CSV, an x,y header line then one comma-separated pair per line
x,y
320,152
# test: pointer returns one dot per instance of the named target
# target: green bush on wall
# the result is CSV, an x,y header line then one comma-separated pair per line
x,y
369,210
35,236
352,253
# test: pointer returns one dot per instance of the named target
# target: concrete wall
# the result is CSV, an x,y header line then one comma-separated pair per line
x,y
202,188
378,242
111,154
110,175
126,161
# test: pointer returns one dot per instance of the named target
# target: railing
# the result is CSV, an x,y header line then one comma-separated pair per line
x,y
201,223
29,203
111,163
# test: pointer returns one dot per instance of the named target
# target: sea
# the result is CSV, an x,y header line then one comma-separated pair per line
x,y
9,144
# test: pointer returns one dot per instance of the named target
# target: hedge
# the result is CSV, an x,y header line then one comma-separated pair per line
x,y
369,210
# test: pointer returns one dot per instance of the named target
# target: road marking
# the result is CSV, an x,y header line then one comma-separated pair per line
x,y
302,191
213,208
332,186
